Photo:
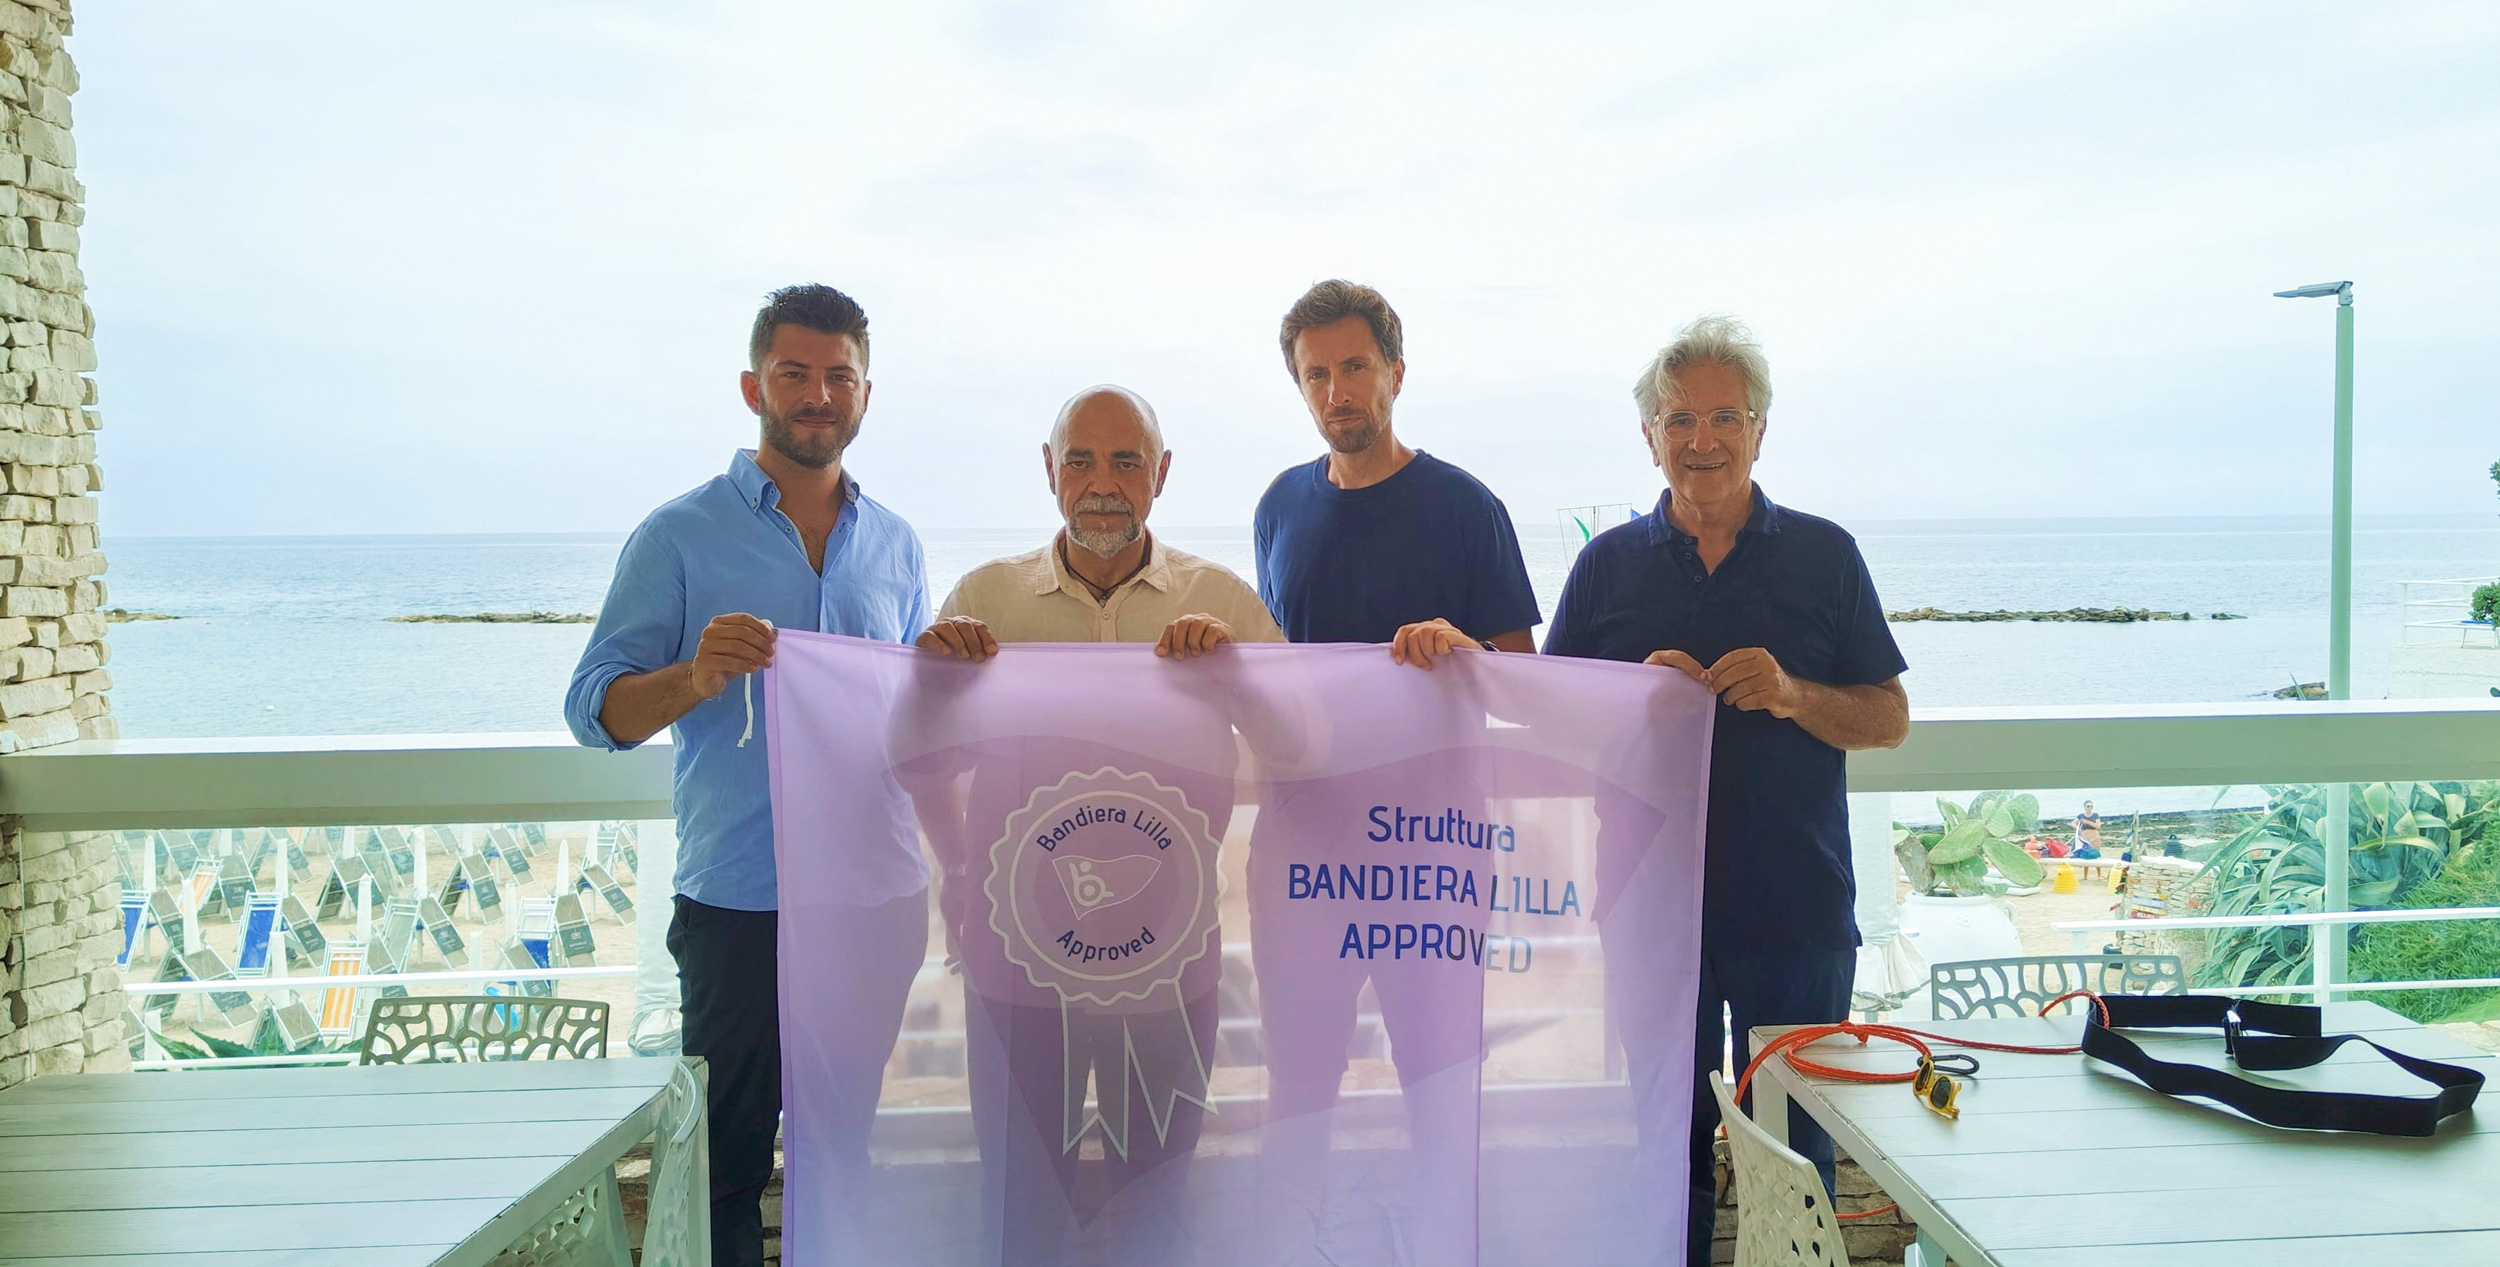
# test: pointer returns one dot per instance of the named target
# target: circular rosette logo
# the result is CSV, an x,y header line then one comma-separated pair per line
x,y
1103,886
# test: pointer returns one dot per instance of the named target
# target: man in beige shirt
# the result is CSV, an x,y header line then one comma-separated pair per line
x,y
1103,578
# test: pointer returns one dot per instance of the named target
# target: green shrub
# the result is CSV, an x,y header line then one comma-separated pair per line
x,y
2442,950
2486,604
2405,836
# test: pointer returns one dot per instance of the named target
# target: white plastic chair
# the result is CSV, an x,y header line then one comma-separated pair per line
x,y
1783,1216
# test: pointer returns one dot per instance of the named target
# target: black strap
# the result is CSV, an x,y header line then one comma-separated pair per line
x,y
2268,1036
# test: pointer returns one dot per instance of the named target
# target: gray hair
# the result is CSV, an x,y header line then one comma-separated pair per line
x,y
1713,339
1145,415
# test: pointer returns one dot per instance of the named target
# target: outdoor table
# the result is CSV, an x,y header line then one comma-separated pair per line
x,y
380,1166
2060,1160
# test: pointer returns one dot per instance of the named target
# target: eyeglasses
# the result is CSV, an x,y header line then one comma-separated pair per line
x,y
1726,422
1937,1091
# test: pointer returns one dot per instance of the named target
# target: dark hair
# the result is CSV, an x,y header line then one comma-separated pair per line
x,y
818,307
1334,300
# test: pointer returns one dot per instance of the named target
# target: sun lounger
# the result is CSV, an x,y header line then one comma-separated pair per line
x,y
338,1003
182,851
513,848
573,940
438,925
205,964
397,847
203,886
168,969
235,884
134,920
477,875
297,1028
252,948
303,933
601,880
394,944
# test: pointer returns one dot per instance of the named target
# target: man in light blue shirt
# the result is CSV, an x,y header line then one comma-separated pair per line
x,y
783,540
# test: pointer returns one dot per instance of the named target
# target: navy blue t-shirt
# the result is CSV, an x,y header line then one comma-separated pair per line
x,y
1354,564
1777,871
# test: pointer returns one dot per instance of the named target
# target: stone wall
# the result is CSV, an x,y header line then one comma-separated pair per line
x,y
60,999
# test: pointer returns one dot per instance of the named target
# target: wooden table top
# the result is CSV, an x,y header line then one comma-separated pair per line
x,y
382,1166
2060,1160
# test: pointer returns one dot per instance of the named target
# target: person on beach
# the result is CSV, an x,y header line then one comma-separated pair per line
x,y
2087,833
1103,577
784,539
1378,542
1774,611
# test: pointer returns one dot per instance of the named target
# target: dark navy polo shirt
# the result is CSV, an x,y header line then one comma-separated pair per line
x,y
1777,872
1354,564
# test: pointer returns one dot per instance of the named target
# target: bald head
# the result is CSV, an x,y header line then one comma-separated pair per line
x,y
1106,463
1111,404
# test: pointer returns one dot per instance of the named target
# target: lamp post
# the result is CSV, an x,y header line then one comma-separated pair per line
x,y
2336,836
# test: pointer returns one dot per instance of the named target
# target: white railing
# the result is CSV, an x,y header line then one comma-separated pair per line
x,y
2321,984
368,779
364,780
2440,610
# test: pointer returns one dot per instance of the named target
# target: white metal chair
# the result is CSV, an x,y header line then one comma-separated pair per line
x,y
1783,1216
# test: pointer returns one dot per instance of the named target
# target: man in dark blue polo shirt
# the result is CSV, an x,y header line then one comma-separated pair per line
x,y
1774,611
1371,542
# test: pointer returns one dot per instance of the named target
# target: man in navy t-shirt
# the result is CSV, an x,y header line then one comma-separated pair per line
x,y
1374,536
1774,611
1373,542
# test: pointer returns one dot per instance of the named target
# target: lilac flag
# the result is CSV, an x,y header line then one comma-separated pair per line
x,y
1284,955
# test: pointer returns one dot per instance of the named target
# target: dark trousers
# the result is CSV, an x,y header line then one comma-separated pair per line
x,y
728,982
1756,987
728,971
1032,1211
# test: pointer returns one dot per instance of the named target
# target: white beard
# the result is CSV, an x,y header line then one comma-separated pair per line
x,y
1106,544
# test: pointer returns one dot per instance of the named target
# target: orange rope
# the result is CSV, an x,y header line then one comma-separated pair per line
x,y
1785,1046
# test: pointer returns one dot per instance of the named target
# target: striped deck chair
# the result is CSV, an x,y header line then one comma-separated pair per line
x,y
338,1003
204,894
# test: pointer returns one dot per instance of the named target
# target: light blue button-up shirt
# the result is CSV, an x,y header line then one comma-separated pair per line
x,y
726,547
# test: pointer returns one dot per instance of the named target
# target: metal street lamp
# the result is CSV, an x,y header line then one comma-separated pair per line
x,y
2336,837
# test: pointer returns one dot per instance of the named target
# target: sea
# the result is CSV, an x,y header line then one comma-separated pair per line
x,y
278,636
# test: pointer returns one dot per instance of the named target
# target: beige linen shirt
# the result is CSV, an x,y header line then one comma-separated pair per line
x,y
1031,597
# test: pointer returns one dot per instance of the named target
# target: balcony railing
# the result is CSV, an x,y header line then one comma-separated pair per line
x,y
310,782
303,782
2442,611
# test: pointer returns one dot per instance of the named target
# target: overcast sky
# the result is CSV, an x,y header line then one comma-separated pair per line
x,y
452,267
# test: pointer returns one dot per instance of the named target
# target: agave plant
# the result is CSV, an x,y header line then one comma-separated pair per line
x,y
2402,834
1953,859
